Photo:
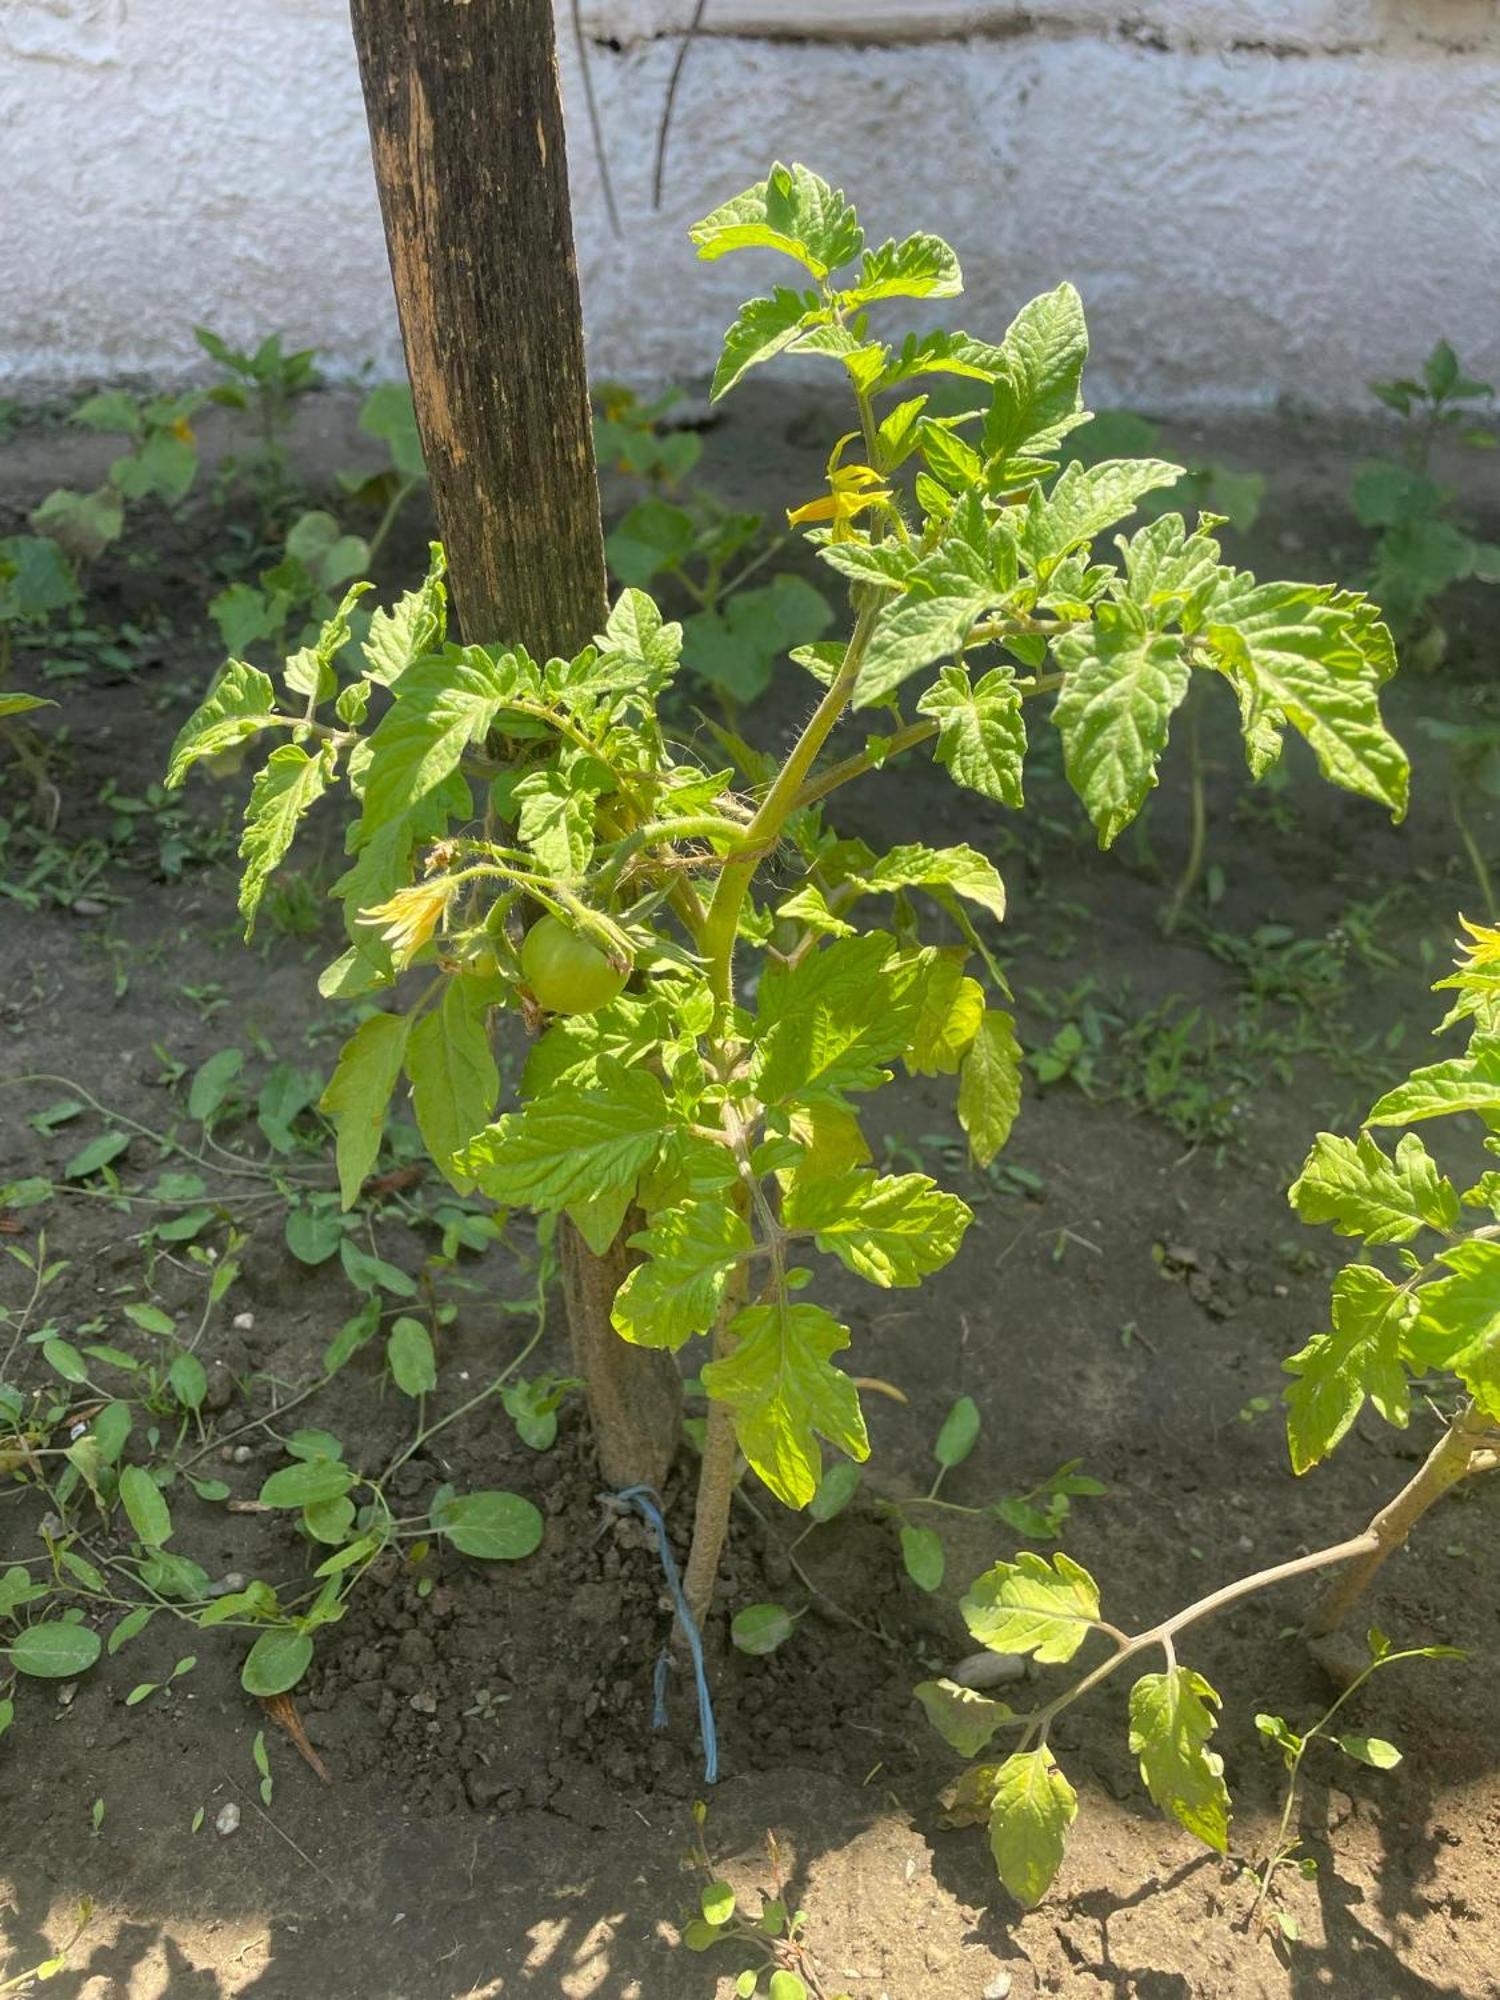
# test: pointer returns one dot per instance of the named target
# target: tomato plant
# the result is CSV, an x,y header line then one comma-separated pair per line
x,y
1436,1313
778,971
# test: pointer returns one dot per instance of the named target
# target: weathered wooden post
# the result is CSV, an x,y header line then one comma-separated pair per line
x,y
466,129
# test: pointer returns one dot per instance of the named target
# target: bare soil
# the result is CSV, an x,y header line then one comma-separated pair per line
x,y
503,1820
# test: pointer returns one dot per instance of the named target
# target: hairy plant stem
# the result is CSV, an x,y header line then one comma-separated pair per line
x,y
1198,838
1461,1450
719,934
716,1472
721,925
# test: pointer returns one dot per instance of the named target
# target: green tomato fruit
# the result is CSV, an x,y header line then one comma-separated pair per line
x,y
567,974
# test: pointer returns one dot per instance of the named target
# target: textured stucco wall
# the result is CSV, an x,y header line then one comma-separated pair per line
x,y
1258,198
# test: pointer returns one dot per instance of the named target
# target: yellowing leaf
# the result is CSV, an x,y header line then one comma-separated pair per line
x,y
785,1394
1033,1808
1033,1606
1171,1720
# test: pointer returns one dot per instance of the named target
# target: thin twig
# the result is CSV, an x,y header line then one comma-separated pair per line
x,y
658,173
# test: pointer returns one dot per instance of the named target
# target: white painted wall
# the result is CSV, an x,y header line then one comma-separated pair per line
x,y
1258,198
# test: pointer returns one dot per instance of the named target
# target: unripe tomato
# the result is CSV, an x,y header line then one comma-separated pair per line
x,y
567,974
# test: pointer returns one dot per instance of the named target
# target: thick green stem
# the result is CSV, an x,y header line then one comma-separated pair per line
x,y
1198,838
716,1472
721,926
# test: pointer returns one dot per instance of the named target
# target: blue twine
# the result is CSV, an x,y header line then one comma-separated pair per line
x,y
645,1501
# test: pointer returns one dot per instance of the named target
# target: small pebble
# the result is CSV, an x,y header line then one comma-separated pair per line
x,y
243,1322
425,1703
88,906
226,1585
243,1454
998,1987
228,1819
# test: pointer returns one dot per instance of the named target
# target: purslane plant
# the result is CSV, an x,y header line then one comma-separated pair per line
x,y
710,997
1434,1319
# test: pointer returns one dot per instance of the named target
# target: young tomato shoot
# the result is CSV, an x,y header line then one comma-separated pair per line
x,y
1372,1750
722,977
1435,1318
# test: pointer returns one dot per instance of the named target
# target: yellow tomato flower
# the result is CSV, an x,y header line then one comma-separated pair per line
x,y
411,916
852,488
182,430
1485,950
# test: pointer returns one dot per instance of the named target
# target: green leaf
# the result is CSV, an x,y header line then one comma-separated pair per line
x,y
389,413
308,1483
892,1229
989,1086
408,1349
829,1024
1315,658
919,267
950,1017
716,1901
962,1718
454,1081
64,1357
791,211
761,1628
1112,714
413,629
142,1500
36,578
1034,1806
1171,1720
572,1144
1463,1083
287,785
96,1154
1033,1606
1458,1324
785,1393
55,1650
276,1662
961,869
313,1235
241,701
1359,1358
357,1095
1084,502
444,704
1357,1191
786,1986
689,1252
212,1083
130,1627
1371,1750
499,1527
959,1435
188,1380
761,330
981,731
836,1488
1037,396
922,1557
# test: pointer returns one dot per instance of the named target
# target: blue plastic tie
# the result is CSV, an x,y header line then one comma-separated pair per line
x,y
645,1501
